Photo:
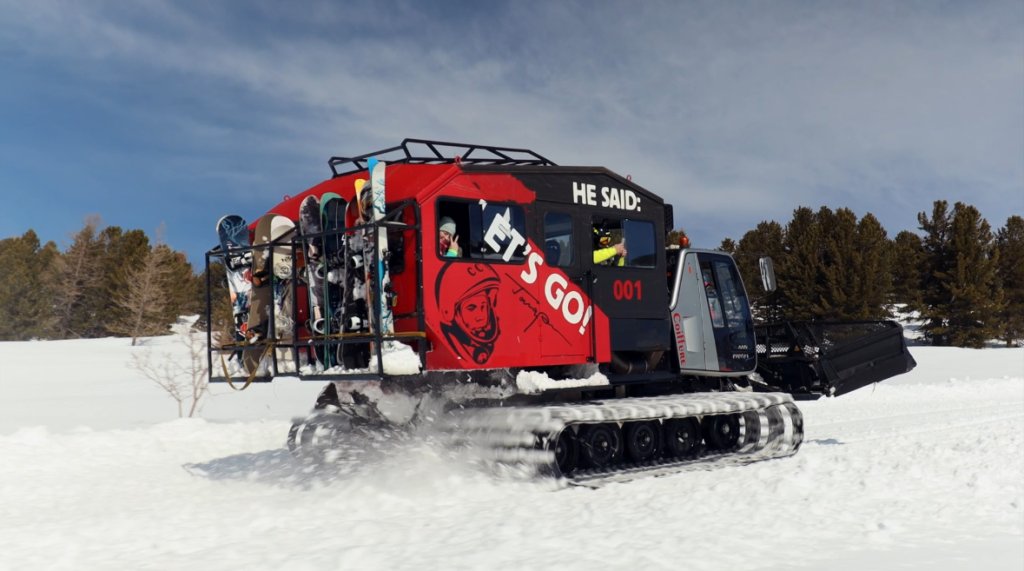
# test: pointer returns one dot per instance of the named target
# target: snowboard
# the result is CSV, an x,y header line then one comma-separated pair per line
x,y
332,220
283,262
355,355
261,296
271,288
233,233
385,295
310,224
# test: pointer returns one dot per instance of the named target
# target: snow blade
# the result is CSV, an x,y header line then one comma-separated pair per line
x,y
812,359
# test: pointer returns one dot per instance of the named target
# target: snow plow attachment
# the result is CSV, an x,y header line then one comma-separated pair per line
x,y
811,359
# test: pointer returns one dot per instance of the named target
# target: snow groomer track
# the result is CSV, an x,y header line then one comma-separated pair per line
x,y
594,443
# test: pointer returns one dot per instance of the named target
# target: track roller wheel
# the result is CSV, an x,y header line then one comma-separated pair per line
x,y
682,437
643,441
567,451
600,444
722,431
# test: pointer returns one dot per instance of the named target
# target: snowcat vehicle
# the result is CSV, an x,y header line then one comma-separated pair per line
x,y
508,328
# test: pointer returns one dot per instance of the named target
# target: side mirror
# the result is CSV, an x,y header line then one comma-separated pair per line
x,y
767,274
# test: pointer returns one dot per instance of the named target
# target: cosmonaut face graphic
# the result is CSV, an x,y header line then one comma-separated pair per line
x,y
467,295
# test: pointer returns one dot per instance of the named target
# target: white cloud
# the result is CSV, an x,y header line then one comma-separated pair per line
x,y
760,107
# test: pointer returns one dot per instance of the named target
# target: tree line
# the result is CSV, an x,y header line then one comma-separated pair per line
x,y
107,282
965,281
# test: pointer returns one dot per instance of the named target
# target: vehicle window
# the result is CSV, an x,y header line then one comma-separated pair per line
x,y
624,243
558,246
480,231
732,295
714,303
640,243
726,298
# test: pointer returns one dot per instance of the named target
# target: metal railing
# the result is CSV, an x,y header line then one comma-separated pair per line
x,y
422,151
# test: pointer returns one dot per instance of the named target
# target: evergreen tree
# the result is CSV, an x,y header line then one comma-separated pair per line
x,y
121,252
840,279
961,294
1010,270
908,262
801,280
181,286
765,240
873,270
26,311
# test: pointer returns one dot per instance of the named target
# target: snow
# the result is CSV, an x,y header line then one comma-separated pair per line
x,y
920,472
532,382
399,359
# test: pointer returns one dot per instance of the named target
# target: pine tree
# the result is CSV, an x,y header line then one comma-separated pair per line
x,y
872,270
1010,270
840,278
801,280
121,252
961,294
765,240
908,262
180,284
25,298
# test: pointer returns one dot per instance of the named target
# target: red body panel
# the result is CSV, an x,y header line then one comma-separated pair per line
x,y
480,315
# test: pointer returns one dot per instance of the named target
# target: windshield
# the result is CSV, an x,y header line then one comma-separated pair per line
x,y
730,313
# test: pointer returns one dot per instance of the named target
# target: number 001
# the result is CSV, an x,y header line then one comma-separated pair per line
x,y
627,290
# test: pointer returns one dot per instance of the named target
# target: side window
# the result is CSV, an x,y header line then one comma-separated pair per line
x,y
624,243
489,231
558,244
640,244
714,303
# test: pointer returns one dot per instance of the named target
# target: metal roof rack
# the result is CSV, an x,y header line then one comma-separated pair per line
x,y
421,151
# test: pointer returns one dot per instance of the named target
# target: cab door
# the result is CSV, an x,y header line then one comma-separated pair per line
x,y
629,288
711,320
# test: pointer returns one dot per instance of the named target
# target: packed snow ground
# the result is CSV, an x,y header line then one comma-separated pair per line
x,y
922,472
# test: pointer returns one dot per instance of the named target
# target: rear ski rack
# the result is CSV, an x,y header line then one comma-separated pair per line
x,y
293,357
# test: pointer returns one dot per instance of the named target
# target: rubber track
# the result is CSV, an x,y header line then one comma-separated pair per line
x,y
524,437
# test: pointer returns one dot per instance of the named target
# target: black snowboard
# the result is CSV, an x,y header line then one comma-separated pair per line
x,y
355,355
332,212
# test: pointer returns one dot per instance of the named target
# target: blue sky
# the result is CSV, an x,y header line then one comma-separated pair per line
x,y
174,113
